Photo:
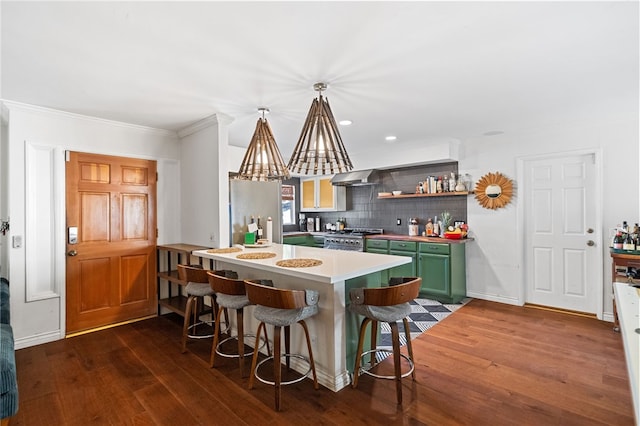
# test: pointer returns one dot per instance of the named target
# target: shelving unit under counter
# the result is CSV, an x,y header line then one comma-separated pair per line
x,y
174,254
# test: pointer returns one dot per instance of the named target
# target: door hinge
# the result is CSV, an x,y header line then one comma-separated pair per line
x,y
156,176
156,232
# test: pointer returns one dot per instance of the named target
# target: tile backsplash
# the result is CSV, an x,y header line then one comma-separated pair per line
x,y
365,210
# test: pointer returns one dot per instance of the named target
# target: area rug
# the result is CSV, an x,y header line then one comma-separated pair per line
x,y
425,313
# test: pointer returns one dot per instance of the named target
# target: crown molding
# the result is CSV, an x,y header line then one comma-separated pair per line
x,y
13,105
212,120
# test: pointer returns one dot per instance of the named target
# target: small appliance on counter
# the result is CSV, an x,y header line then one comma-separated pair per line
x,y
302,222
311,224
413,227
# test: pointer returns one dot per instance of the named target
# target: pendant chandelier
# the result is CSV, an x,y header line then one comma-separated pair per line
x,y
263,160
320,149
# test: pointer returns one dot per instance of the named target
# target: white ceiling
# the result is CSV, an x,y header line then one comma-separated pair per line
x,y
423,71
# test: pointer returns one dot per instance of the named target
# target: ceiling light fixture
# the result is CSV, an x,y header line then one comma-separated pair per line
x,y
390,138
320,149
263,160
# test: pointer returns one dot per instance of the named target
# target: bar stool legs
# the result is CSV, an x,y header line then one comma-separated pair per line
x,y
277,365
397,355
240,340
385,304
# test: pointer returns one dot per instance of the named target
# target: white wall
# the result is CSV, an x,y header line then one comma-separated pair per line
x,y
42,320
204,172
494,269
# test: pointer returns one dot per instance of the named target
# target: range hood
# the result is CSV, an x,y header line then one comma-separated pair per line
x,y
357,178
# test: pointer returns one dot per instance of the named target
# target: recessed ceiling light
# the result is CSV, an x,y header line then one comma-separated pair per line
x,y
346,122
390,138
493,133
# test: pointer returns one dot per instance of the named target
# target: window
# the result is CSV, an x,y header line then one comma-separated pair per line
x,y
288,204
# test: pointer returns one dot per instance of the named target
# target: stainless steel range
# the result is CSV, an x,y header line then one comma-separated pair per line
x,y
351,239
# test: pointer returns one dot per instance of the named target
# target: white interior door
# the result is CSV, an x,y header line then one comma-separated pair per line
x,y
562,238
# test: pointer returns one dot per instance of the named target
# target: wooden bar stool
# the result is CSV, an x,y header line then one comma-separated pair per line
x,y
281,308
197,288
231,294
388,304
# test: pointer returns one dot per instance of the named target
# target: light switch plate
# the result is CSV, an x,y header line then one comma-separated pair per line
x,y
17,241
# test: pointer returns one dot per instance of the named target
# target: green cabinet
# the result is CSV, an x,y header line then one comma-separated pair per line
x,y
318,241
440,265
443,273
298,240
404,248
304,240
380,247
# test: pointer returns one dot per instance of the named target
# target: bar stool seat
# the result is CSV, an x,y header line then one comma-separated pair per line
x,y
281,308
231,294
197,288
390,305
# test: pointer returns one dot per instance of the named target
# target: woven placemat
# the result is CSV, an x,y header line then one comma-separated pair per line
x,y
298,263
260,255
225,250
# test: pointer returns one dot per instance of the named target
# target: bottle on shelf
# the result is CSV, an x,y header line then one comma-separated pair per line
x,y
452,182
618,241
628,244
439,184
445,183
429,228
259,231
613,235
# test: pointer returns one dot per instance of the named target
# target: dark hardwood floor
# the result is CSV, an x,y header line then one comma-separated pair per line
x,y
487,364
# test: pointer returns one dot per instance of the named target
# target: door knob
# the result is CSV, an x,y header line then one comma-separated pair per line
x,y
590,243
72,253
590,231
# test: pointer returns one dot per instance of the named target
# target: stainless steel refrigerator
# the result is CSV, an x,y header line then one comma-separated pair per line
x,y
251,198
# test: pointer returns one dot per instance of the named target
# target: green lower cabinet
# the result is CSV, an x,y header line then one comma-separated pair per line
x,y
318,241
442,269
404,248
299,240
440,265
353,321
380,247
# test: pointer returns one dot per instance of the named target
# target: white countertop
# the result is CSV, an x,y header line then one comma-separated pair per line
x,y
628,304
337,265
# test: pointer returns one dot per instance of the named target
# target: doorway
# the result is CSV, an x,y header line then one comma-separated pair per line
x,y
561,233
111,240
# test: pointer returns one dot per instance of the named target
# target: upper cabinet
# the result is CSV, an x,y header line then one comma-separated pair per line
x,y
318,195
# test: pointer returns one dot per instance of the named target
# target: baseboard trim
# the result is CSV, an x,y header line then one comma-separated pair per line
x,y
494,298
38,339
104,327
560,310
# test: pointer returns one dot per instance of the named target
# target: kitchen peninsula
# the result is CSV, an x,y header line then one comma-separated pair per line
x,y
334,331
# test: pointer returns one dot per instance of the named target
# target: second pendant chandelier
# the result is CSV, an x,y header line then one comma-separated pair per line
x,y
320,149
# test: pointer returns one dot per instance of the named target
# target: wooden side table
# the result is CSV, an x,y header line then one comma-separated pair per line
x,y
621,262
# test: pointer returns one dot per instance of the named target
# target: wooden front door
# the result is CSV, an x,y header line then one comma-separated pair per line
x,y
111,265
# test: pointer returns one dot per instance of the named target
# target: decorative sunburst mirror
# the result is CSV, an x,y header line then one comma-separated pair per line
x,y
494,190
